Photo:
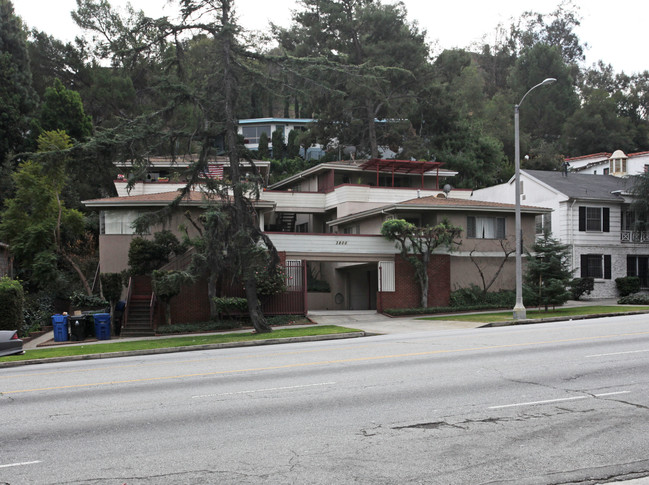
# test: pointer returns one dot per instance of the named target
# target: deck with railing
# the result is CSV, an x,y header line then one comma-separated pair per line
x,y
641,237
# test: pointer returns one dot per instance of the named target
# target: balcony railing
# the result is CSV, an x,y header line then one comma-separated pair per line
x,y
635,237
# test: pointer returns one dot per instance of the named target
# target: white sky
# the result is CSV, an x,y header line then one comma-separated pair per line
x,y
614,31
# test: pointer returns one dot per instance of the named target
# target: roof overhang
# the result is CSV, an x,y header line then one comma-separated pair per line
x,y
435,208
195,199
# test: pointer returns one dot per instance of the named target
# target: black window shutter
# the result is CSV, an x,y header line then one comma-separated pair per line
x,y
582,218
606,213
584,266
607,266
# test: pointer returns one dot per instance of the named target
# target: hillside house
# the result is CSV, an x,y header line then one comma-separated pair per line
x,y
327,220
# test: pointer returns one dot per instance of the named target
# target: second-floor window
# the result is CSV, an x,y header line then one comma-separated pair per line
x,y
485,227
594,219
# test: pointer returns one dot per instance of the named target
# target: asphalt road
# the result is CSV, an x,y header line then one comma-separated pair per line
x,y
537,404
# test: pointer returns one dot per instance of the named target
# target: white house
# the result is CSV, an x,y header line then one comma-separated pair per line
x,y
617,163
592,214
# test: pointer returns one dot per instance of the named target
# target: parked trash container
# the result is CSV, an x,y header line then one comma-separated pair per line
x,y
60,324
117,317
78,327
102,326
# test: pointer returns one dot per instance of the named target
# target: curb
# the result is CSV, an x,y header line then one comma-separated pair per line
x,y
190,348
530,321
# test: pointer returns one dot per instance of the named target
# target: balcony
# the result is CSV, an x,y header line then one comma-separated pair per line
x,y
637,237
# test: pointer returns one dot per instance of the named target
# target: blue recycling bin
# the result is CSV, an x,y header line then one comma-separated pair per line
x,y
102,326
60,324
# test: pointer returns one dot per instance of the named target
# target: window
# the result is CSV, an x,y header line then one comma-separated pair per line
x,y
638,266
596,266
352,229
118,222
594,219
543,223
628,220
485,227
251,134
618,165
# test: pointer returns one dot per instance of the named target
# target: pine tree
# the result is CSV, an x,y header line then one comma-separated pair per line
x,y
547,276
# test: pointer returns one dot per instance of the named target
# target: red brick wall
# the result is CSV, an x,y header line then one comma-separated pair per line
x,y
407,294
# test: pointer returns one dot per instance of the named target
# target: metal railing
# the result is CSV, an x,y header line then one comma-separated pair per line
x,y
152,323
128,299
634,237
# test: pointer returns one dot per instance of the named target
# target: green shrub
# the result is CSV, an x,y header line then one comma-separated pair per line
x,y
270,281
38,311
637,299
627,285
12,299
440,309
210,326
473,296
81,300
580,286
227,306
111,286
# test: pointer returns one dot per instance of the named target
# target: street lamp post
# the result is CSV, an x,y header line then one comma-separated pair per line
x,y
519,308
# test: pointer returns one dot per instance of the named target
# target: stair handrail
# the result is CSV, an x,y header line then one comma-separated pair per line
x,y
128,300
153,323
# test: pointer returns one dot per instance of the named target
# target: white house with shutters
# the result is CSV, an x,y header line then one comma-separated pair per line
x,y
592,214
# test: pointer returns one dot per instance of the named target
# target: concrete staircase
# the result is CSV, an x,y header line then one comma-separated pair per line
x,y
138,323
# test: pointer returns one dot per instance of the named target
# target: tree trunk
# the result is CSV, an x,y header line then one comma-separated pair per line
x,y
211,293
254,308
242,218
76,268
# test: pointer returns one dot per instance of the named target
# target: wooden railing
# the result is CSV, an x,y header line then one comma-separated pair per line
x,y
634,237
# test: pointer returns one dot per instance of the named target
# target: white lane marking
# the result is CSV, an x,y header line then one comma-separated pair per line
x,y
21,464
549,401
618,353
264,390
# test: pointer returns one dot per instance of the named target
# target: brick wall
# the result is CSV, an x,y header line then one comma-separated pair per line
x,y
407,294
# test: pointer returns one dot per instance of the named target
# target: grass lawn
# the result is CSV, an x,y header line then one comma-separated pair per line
x,y
167,342
559,312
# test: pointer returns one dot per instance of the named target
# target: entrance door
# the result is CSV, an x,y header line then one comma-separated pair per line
x,y
363,285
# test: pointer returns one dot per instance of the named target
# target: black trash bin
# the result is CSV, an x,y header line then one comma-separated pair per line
x,y
78,327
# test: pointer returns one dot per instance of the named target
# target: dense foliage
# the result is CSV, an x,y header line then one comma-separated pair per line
x,y
627,285
12,299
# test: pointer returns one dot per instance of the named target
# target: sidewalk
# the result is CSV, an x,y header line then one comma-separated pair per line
x,y
367,320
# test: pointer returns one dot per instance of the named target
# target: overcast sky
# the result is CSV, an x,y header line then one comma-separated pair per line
x,y
615,31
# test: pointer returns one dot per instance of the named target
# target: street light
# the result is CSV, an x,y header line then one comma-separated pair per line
x,y
519,308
